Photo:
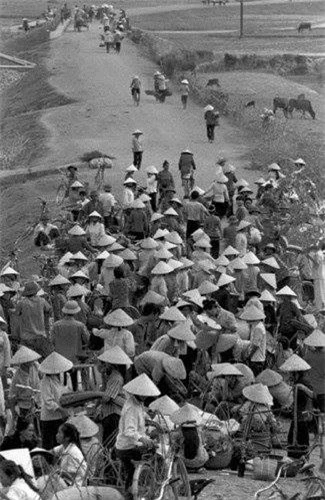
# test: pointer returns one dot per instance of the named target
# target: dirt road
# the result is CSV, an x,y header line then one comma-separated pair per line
x,y
103,116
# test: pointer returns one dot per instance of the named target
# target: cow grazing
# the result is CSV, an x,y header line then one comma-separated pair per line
x,y
302,105
304,26
213,81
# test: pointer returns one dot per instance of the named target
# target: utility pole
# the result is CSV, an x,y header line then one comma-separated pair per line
x,y
241,30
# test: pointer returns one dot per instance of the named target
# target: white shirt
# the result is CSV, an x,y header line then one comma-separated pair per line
x,y
258,338
108,201
72,461
19,490
128,198
132,424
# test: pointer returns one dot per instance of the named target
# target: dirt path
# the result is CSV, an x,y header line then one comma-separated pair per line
x,y
104,117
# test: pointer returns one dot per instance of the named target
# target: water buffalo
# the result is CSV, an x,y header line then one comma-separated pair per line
x,y
281,103
304,26
303,105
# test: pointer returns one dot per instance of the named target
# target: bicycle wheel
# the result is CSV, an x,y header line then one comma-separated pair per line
x,y
143,485
60,194
181,485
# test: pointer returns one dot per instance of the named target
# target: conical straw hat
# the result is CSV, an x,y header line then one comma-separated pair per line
x,y
271,262
251,259
187,263
153,298
295,364
248,375
204,340
86,427
273,166
311,320
207,287
55,364
182,332
76,184
113,261
226,341
127,254
270,279
115,356
252,313
183,303
144,198
202,243
162,268
151,170
95,214
163,254
59,280
76,231
243,225
138,204
167,245
149,244
142,386
131,169
230,251
79,256
174,238
225,279
172,314
116,247
118,318
194,296
223,370
286,292
206,265
80,274
160,233
268,377
316,339
8,271
3,321
174,367
258,393
106,240
198,234
102,255
164,405
222,261
171,211
237,264
156,216
267,296
206,320
175,264
188,413
24,355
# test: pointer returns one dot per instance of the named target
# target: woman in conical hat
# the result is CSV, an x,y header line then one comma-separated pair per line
x,y
132,439
298,436
315,357
52,413
116,332
90,444
290,317
27,376
257,349
113,365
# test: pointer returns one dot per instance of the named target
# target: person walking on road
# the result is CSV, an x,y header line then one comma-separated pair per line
x,y
137,149
118,37
212,120
185,90
136,89
187,166
108,40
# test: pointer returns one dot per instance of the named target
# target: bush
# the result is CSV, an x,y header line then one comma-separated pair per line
x,y
230,61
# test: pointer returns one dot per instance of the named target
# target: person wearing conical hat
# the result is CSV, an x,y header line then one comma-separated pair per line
x,y
113,365
77,241
94,205
185,90
137,148
132,439
52,413
269,306
194,213
165,185
290,317
165,371
90,444
108,202
116,332
257,419
315,357
95,228
172,222
70,336
211,117
10,278
145,329
298,436
177,205
158,283
218,192
257,349
137,225
175,341
225,319
212,227
120,289
186,166
25,375
58,287
33,313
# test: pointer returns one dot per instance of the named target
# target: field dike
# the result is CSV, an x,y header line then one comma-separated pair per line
x,y
285,139
22,103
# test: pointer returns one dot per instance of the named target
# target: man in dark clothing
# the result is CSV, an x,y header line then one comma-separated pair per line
x,y
165,181
187,166
230,232
212,120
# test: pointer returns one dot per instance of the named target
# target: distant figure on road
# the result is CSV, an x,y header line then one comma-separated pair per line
x,y
212,120
25,25
118,37
108,40
185,90
137,149
136,89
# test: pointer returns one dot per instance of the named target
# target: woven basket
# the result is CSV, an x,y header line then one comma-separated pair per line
x,y
264,469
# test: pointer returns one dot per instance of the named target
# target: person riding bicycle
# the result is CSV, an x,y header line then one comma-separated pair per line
x,y
187,166
132,440
135,87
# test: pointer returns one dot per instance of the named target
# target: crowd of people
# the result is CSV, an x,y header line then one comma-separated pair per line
x,y
194,299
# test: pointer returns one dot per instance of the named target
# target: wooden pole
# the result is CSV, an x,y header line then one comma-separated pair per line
x,y
241,32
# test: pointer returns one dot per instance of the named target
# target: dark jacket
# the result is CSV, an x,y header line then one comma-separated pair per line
x,y
186,164
211,117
